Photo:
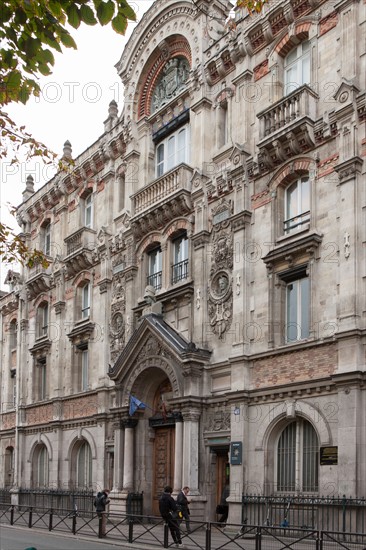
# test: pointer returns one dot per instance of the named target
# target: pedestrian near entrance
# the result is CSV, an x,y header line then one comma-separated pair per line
x,y
100,503
183,502
168,510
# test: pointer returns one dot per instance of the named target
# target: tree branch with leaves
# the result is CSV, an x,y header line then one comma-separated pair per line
x,y
30,32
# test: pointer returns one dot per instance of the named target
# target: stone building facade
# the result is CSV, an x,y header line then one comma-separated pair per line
x,y
207,256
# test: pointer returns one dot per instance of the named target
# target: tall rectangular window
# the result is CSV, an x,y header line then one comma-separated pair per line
x,y
172,151
85,301
42,320
180,259
297,205
42,379
297,67
297,309
88,211
222,124
154,277
84,369
44,328
47,239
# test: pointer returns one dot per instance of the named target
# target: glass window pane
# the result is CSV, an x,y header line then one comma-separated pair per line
x,y
292,201
305,300
310,458
171,160
85,301
45,319
305,195
305,76
160,160
305,45
291,312
42,381
180,249
88,211
286,459
84,370
47,239
181,148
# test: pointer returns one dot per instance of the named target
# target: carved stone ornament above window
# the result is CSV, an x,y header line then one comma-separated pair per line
x,y
170,83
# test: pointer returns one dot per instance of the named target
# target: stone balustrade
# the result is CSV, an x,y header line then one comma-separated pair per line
x,y
179,178
300,103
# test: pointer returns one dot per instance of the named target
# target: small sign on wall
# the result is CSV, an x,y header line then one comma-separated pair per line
x,y
236,453
328,456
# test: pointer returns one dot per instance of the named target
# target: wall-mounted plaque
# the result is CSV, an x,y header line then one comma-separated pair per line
x,y
328,456
236,453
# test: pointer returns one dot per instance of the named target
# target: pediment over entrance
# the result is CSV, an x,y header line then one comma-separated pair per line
x,y
155,344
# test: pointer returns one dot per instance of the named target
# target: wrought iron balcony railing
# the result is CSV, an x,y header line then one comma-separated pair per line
x,y
179,271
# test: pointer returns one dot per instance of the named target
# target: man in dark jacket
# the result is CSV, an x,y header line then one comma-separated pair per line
x,y
168,507
183,502
100,502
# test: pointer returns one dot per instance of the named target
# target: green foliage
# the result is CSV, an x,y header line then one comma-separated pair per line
x,y
253,6
13,249
30,30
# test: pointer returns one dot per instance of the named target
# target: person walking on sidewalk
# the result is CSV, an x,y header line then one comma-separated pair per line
x,y
168,511
183,503
100,503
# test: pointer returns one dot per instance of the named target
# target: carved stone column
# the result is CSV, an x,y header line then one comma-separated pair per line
x,y
118,456
128,464
190,449
178,458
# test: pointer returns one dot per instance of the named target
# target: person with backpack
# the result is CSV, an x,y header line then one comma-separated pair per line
x,y
168,511
100,503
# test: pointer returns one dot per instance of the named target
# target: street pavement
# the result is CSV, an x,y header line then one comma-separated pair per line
x,y
20,538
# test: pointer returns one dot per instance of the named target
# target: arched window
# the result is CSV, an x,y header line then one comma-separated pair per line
x,y
40,466
84,466
298,458
297,205
297,67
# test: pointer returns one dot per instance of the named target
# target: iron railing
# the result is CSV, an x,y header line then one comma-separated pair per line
x,y
179,271
155,280
134,505
321,513
57,499
153,532
5,495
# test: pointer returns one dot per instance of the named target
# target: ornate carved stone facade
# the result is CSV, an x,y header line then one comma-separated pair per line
x,y
231,186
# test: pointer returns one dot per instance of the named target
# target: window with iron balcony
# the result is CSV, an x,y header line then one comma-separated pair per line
x,y
297,206
154,276
180,258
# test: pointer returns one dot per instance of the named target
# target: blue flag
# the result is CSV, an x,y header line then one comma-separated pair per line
x,y
135,404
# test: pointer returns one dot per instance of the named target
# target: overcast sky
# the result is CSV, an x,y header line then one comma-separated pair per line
x,y
73,105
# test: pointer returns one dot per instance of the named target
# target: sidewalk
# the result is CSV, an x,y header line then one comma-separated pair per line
x,y
150,536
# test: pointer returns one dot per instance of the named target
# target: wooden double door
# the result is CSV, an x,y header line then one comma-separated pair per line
x,y
163,466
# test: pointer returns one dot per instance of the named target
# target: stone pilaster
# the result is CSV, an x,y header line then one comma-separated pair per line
x,y
190,449
128,465
118,456
178,458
